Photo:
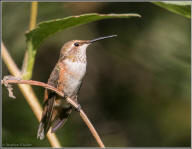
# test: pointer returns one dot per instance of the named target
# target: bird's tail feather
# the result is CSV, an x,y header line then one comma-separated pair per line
x,y
58,124
60,121
41,132
46,118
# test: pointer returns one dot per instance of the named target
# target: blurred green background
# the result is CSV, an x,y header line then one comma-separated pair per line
x,y
137,87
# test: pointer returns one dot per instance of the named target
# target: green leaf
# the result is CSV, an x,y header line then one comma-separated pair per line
x,y
47,28
181,8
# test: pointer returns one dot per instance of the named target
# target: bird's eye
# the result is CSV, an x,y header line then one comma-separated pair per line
x,y
76,44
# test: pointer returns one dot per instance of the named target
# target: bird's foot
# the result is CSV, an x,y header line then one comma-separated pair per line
x,y
78,108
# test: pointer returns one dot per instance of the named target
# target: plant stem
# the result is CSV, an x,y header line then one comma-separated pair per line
x,y
28,93
28,61
34,7
12,67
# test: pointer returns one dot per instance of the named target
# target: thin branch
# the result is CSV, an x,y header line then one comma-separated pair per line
x,y
88,123
28,93
74,104
31,82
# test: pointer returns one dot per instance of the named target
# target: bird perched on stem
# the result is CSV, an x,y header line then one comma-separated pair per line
x,y
66,76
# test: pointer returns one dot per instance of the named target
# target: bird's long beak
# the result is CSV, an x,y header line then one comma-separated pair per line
x,y
101,38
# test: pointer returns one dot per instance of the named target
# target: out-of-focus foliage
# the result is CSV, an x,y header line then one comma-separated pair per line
x,y
182,8
136,90
47,28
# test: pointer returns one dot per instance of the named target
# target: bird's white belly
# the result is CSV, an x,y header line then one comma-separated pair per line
x,y
77,69
75,74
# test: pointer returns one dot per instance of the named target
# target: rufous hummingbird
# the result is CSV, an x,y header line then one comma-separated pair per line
x,y
67,77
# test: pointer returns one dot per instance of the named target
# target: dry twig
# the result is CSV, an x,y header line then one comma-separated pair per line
x,y
13,80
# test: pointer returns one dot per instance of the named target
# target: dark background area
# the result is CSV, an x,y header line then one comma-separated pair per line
x,y
137,87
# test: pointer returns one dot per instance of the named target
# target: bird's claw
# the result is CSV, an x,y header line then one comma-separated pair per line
x,y
78,108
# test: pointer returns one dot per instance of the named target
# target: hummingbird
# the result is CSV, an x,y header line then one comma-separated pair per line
x,y
67,77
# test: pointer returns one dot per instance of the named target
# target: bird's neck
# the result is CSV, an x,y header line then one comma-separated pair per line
x,y
78,56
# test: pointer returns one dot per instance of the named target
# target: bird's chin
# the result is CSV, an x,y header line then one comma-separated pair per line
x,y
84,47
